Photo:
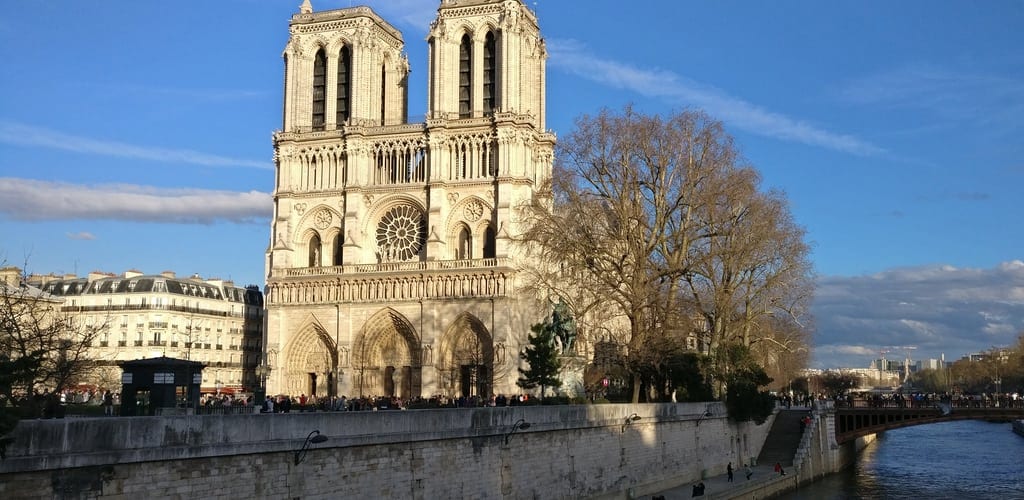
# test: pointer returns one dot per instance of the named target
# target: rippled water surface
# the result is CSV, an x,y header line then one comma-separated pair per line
x,y
967,460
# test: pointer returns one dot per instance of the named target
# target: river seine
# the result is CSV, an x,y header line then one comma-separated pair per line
x,y
965,460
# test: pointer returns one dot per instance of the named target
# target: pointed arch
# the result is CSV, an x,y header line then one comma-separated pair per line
x,y
319,89
466,358
466,77
490,73
315,247
310,360
387,357
463,243
344,77
490,243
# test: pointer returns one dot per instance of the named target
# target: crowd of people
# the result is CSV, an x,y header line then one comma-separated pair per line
x,y
284,404
925,400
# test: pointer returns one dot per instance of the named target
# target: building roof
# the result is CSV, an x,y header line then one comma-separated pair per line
x,y
149,284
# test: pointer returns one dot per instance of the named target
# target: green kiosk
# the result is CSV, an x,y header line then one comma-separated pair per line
x,y
160,386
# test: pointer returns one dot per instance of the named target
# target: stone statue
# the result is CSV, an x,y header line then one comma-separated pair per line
x,y
564,325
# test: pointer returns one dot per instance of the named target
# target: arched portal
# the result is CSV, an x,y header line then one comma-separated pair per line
x,y
311,360
466,364
387,358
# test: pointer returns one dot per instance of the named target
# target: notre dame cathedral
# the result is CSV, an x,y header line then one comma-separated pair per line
x,y
391,269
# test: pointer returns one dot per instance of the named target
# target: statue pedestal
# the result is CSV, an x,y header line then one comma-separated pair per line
x,y
571,375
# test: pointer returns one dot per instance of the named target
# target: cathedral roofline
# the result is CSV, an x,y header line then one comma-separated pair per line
x,y
308,18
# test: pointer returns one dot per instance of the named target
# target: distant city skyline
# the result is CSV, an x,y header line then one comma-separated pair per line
x,y
893,128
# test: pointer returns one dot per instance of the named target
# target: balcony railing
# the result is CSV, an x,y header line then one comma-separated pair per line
x,y
104,343
138,343
397,267
122,343
158,343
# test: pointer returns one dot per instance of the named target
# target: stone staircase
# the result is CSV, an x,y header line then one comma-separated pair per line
x,y
783,439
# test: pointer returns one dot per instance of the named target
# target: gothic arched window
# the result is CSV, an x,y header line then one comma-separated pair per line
x,y
344,89
464,249
314,251
339,242
383,91
319,89
465,77
490,83
284,102
489,243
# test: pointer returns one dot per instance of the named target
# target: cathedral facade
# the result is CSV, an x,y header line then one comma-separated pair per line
x,y
392,265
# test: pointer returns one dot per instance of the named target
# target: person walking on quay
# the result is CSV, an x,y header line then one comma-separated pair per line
x,y
108,403
748,471
728,469
779,469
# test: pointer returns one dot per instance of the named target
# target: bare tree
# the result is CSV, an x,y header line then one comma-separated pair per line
x,y
43,348
660,220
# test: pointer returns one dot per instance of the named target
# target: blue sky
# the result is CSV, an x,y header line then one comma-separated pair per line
x,y
136,134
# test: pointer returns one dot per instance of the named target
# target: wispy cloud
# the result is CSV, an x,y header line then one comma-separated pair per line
x,y
938,309
82,235
30,200
26,135
952,96
966,196
572,57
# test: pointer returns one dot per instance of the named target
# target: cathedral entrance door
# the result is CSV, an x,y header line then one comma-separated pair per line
x,y
474,380
389,381
312,384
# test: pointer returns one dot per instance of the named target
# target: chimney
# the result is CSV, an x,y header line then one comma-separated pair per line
x,y
168,274
97,275
132,273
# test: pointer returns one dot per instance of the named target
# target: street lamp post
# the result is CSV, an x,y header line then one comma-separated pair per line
x,y
262,371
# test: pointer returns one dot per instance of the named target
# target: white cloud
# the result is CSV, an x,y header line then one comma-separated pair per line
x,y
572,57
26,135
939,309
26,199
82,235
950,96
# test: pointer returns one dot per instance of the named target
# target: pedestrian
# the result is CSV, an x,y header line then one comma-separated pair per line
x,y
108,403
779,469
698,489
748,470
728,469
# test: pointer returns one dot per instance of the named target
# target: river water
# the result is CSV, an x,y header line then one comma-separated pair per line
x,y
964,460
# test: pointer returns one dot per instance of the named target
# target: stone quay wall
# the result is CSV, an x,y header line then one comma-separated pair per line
x,y
817,456
577,451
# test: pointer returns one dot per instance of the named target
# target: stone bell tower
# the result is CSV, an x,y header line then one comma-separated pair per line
x,y
391,269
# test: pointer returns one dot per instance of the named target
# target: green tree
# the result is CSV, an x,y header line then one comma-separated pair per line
x,y
745,397
542,357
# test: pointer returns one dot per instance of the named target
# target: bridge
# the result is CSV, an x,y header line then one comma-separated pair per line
x,y
863,418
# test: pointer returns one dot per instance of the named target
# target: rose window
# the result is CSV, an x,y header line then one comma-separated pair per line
x,y
473,211
324,219
401,234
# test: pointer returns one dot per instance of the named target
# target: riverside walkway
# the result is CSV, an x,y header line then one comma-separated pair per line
x,y
780,446
719,487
